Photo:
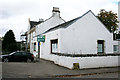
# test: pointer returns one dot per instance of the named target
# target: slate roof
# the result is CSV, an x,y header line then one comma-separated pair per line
x,y
66,24
34,23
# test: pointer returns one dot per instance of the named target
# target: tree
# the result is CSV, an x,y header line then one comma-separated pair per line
x,y
109,19
9,42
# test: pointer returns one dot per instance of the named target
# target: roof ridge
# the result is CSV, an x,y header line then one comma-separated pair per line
x,y
66,24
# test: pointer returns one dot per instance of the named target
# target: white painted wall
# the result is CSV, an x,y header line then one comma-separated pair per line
x,y
81,37
33,40
86,62
53,21
46,46
115,42
119,23
119,46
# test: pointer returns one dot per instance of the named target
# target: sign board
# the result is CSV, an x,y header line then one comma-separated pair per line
x,y
41,38
39,44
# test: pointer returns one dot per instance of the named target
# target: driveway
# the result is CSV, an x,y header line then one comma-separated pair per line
x,y
47,69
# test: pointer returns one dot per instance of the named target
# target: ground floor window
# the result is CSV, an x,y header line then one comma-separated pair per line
x,y
115,48
35,46
54,46
100,47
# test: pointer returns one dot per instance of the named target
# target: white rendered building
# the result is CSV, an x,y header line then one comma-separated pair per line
x,y
84,35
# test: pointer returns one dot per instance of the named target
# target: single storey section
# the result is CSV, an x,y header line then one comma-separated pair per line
x,y
82,35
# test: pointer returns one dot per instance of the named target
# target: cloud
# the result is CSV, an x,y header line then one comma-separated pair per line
x,y
4,14
14,14
3,30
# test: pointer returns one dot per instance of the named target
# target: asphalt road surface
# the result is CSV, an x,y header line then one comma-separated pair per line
x,y
0,70
49,69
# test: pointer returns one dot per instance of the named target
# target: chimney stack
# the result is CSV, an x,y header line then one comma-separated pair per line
x,y
41,20
55,12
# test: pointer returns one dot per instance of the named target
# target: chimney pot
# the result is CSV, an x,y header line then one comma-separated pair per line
x,y
56,9
41,20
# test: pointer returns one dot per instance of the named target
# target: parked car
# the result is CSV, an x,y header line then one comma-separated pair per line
x,y
18,56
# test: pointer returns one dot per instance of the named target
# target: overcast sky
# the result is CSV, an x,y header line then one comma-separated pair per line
x,y
14,14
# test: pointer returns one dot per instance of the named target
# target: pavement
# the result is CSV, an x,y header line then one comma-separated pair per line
x,y
45,68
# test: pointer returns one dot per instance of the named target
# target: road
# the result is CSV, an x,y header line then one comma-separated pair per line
x,y
0,70
104,75
49,69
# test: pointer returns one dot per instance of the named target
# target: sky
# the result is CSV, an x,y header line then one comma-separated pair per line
x,y
14,14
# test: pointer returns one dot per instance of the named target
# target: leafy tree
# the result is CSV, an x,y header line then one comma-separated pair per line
x,y
9,42
12,47
109,19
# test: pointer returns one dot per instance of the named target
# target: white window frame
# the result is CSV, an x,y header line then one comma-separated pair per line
x,y
54,46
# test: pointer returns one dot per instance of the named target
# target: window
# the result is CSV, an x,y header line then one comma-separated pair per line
x,y
115,47
54,46
100,46
34,46
18,54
